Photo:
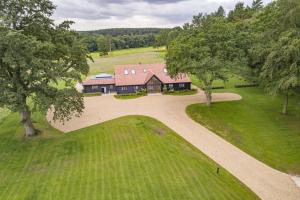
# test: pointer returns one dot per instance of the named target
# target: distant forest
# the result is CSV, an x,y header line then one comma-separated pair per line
x,y
114,32
106,40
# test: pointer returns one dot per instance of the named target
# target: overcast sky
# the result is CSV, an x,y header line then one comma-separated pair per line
x,y
100,14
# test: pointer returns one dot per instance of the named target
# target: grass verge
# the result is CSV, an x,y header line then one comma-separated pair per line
x,y
92,94
129,96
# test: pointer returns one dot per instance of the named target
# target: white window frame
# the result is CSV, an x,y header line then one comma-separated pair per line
x,y
181,85
95,87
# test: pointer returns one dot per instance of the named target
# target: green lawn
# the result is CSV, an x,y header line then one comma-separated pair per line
x,y
132,157
256,126
92,94
147,55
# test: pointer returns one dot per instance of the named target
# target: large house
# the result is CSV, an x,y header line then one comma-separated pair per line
x,y
131,78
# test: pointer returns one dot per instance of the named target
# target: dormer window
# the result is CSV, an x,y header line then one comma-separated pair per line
x,y
165,70
133,71
126,72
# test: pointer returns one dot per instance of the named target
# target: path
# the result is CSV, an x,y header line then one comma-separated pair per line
x,y
266,182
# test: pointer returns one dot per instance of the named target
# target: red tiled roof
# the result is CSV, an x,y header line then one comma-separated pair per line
x,y
143,73
99,81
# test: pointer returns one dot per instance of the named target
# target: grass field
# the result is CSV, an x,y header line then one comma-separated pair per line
x,y
256,125
128,158
147,55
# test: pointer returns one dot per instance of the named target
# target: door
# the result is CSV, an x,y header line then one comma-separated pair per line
x,y
154,85
103,90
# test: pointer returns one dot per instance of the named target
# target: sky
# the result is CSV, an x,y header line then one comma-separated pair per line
x,y
101,14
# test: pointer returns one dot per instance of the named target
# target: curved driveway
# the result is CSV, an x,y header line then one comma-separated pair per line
x,y
266,182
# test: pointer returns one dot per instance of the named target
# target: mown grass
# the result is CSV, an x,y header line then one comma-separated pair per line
x,y
256,125
132,157
147,55
92,94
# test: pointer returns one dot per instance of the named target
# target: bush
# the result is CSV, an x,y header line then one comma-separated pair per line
x,y
141,92
180,92
218,87
138,94
246,85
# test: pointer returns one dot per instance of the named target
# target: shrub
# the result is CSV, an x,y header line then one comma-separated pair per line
x,y
246,85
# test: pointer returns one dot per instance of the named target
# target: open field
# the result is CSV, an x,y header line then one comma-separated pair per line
x,y
128,56
128,158
256,126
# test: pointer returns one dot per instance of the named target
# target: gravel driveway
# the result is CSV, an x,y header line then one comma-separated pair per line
x,y
266,182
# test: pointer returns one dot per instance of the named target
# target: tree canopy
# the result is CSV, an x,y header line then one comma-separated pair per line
x,y
260,43
35,57
203,49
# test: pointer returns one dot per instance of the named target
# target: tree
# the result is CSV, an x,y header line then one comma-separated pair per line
x,y
203,49
257,5
239,13
35,55
281,71
161,38
104,44
220,12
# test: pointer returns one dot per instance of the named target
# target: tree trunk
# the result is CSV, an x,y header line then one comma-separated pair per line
x,y
208,98
285,104
27,123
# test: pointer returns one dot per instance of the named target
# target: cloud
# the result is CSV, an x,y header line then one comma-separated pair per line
x,y
98,14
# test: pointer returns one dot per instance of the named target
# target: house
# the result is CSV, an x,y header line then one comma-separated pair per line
x,y
131,78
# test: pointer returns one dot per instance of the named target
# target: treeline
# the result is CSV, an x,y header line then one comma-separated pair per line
x,y
108,40
260,43
124,31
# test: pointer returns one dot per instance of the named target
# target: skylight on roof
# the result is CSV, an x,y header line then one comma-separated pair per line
x,y
126,72
133,71
145,70
165,70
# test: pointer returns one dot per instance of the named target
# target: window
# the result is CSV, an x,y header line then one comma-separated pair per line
x,y
111,87
126,72
95,87
165,70
181,85
133,71
171,86
123,88
136,87
145,70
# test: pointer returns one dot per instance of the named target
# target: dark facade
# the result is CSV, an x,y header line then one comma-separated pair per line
x,y
105,89
153,86
179,86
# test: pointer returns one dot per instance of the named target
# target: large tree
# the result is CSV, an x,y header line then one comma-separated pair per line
x,y
35,57
204,49
281,71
